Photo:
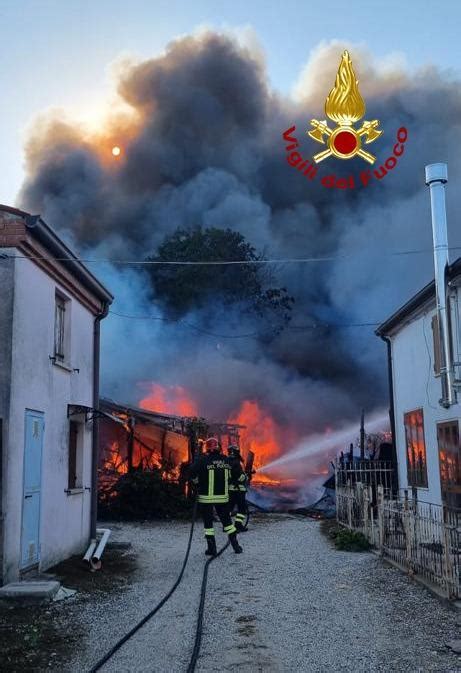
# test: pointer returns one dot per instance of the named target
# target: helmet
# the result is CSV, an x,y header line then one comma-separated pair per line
x,y
212,444
234,451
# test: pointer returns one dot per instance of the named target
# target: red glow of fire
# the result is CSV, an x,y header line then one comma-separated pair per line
x,y
173,400
261,434
264,436
114,463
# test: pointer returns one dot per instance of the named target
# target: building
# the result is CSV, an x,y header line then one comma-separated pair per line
x,y
49,387
135,438
426,432
140,439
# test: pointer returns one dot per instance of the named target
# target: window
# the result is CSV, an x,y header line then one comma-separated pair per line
x,y
61,328
449,461
75,456
416,448
436,342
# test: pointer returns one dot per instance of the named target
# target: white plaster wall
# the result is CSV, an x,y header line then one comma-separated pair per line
x,y
416,386
38,384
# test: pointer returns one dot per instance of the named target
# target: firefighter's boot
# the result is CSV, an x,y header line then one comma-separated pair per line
x,y
240,526
211,549
234,542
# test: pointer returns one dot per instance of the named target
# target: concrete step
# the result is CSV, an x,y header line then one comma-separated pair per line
x,y
30,591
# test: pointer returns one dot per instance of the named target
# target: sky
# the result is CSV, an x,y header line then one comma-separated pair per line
x,y
56,54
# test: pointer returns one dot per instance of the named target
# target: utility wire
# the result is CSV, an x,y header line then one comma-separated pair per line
x,y
299,328
144,262
241,262
185,324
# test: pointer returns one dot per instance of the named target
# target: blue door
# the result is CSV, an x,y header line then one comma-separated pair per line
x,y
33,445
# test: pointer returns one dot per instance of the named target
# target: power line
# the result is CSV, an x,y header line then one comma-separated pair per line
x,y
198,329
326,324
241,262
185,324
251,335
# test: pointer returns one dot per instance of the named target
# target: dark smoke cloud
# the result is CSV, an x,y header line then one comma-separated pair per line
x,y
204,148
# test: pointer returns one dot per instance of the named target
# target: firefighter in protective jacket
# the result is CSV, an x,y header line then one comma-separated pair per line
x,y
238,488
212,474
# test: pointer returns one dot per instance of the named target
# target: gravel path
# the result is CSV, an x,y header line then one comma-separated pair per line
x,y
289,603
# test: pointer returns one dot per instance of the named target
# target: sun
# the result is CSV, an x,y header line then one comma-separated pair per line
x,y
116,151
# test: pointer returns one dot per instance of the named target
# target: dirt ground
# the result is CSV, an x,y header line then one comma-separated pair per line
x,y
290,602
43,637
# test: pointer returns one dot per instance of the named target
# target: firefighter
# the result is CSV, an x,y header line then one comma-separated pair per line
x,y
238,488
211,472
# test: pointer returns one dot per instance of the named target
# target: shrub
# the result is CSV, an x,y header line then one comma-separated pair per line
x,y
345,539
350,540
144,494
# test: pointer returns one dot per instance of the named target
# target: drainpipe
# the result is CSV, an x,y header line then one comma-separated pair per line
x,y
95,437
390,377
436,178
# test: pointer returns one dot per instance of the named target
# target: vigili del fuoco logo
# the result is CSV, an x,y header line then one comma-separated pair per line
x,y
345,107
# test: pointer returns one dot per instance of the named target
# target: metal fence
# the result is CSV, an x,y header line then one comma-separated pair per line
x,y
421,537
372,473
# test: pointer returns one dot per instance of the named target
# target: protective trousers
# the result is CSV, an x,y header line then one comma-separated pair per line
x,y
223,512
237,501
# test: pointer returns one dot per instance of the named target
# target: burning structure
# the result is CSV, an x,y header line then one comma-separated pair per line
x,y
135,438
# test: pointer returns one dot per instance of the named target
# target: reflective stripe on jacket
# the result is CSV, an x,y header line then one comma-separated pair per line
x,y
212,472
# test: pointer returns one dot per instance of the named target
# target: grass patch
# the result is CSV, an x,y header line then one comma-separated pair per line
x,y
343,538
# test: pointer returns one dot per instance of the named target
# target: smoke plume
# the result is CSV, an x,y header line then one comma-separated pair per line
x,y
203,146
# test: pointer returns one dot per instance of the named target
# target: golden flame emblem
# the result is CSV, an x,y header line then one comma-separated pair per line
x,y
345,106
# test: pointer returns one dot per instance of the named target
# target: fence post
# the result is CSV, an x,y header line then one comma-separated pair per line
x,y
360,504
349,504
381,520
407,529
371,515
365,511
447,561
415,520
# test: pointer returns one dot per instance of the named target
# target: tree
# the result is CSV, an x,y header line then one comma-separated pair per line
x,y
181,288
373,441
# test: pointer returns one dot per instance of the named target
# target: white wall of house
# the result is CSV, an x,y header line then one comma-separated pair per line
x,y
40,385
417,387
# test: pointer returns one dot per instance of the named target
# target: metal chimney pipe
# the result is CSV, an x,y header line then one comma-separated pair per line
x,y
436,178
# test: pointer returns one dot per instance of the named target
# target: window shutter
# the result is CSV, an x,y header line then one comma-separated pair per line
x,y
73,434
59,326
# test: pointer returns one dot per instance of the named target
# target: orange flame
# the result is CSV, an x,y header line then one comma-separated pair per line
x,y
266,438
262,434
173,400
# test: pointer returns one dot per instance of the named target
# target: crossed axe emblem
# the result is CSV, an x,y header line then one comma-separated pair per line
x,y
344,142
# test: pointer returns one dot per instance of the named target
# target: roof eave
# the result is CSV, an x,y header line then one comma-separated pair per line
x,y
45,234
416,302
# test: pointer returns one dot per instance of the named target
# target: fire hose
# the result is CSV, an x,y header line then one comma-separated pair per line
x,y
201,610
150,614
